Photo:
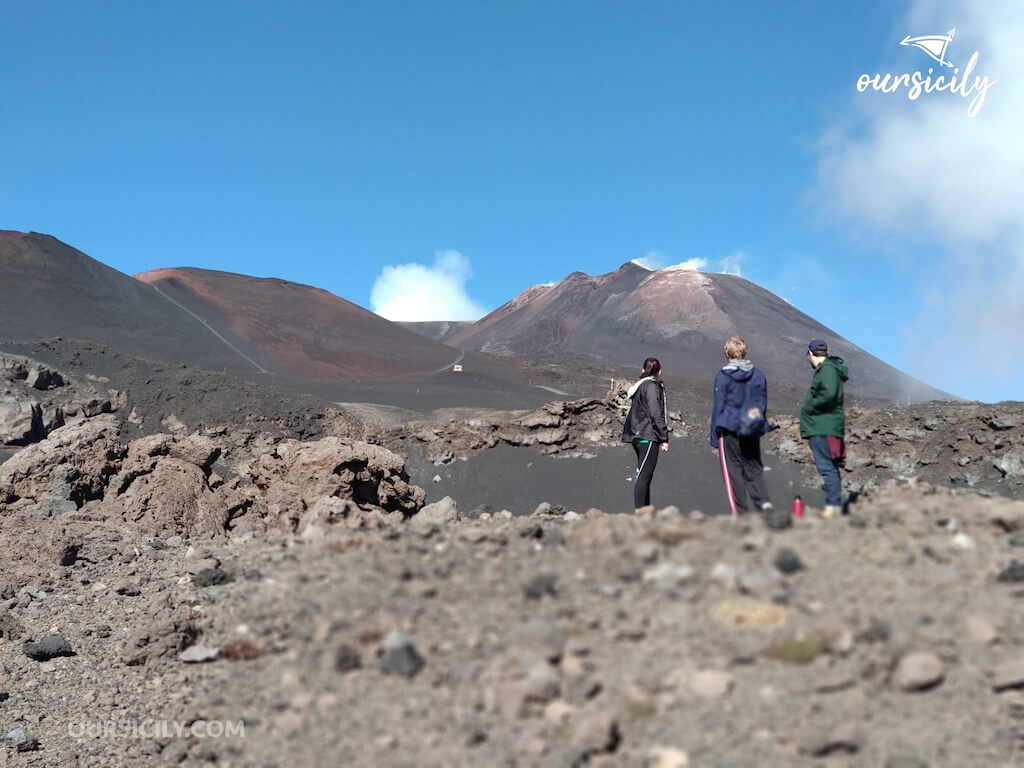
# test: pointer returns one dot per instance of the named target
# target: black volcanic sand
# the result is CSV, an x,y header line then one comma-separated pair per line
x,y
518,479
196,395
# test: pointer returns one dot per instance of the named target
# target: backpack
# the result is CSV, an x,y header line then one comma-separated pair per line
x,y
752,421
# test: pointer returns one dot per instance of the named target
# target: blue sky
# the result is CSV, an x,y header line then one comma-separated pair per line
x,y
374,149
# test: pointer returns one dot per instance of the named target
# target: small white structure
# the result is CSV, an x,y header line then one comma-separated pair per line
x,y
457,368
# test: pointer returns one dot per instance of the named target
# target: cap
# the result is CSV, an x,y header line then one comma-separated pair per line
x,y
818,347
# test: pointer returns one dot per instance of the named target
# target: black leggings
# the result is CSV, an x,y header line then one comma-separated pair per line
x,y
646,461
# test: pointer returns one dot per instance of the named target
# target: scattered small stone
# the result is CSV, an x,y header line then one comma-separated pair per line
x,y
209,577
174,752
668,757
347,658
558,712
202,564
666,576
795,650
539,636
128,589
671,512
532,531
540,585
400,655
980,630
22,741
723,574
441,512
876,631
834,635
597,732
843,740
1012,574
788,561
778,518
646,551
637,703
1003,422
1008,675
197,654
7,593
30,593
962,542
712,683
242,649
542,509
918,671
834,681
49,647
68,554
540,686
748,613
158,544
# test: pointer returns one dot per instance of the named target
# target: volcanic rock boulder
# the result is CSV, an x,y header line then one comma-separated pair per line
x,y
163,487
295,476
78,458
21,421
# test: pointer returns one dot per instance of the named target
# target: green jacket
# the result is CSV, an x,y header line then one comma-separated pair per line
x,y
822,411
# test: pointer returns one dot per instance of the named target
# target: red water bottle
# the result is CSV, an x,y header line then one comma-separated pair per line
x,y
798,507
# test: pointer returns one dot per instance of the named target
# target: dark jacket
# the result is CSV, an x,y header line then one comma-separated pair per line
x,y
736,385
646,419
822,410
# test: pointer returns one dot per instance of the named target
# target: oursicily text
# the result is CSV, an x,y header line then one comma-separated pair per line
x,y
155,729
917,83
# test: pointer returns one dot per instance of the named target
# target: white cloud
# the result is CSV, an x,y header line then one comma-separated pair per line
x,y
730,265
690,264
416,292
924,172
653,260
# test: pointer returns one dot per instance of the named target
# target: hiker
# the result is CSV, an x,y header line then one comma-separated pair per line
x,y
823,421
739,417
646,428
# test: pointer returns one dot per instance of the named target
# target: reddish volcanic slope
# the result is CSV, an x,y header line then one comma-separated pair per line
x,y
301,330
680,316
49,289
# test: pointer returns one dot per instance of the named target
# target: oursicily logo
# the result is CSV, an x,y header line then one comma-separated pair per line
x,y
955,83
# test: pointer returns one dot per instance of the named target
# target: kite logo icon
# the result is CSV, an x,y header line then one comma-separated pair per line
x,y
933,45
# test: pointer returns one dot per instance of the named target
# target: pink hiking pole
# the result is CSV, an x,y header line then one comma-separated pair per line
x,y
725,476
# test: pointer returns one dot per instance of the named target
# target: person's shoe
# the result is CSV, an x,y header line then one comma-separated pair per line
x,y
831,510
767,507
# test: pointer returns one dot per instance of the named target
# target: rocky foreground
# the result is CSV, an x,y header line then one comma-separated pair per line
x,y
308,611
235,596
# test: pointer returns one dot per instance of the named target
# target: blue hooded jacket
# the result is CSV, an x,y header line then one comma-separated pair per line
x,y
736,384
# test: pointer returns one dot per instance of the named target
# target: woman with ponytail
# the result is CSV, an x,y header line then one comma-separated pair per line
x,y
646,428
